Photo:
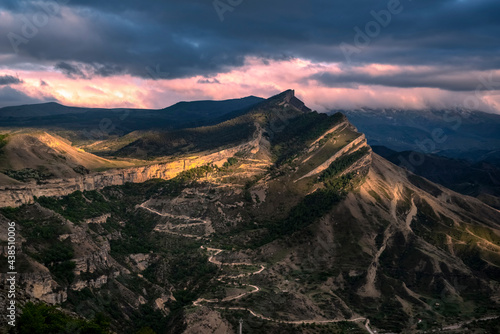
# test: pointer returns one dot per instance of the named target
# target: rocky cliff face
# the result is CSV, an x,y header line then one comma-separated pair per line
x,y
94,269
16,195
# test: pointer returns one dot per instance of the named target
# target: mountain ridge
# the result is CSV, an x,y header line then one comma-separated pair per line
x,y
39,109
453,133
478,179
299,222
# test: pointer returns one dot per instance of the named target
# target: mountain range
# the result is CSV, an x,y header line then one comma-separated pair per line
x,y
265,211
455,133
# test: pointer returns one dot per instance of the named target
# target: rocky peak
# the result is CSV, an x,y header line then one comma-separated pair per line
x,y
287,100
288,95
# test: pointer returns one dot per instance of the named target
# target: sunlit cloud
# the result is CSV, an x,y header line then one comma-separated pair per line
x,y
265,77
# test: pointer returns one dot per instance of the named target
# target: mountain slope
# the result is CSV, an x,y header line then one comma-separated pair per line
x,y
40,155
454,133
303,230
232,132
91,124
480,179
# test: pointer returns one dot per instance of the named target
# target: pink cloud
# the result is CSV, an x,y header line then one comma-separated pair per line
x,y
259,78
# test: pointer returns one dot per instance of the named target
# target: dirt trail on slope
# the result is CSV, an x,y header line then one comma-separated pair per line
x,y
171,228
222,278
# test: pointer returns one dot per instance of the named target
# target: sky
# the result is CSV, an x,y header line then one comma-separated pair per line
x,y
336,54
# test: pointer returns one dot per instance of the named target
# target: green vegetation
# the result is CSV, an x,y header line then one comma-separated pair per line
x,y
375,195
45,230
326,138
133,233
112,301
342,164
146,330
81,170
309,210
43,319
42,233
300,132
150,319
3,140
464,239
28,174
79,206
340,184
193,140
74,206
489,326
326,151
57,257
197,173
230,162
484,233
42,240
183,267
177,261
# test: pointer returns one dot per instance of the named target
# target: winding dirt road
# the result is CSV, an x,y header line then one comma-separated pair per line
x,y
212,259
170,228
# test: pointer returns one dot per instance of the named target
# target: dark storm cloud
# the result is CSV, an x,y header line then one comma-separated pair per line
x,y
209,81
71,71
414,79
186,38
88,71
9,80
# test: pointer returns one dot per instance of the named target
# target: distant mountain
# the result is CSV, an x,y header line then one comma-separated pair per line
x,y
39,110
454,133
194,108
98,123
480,155
478,179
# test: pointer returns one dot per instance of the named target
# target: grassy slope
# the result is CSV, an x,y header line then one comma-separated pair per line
x,y
51,155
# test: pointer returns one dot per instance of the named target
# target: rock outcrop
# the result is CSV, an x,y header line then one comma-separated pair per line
x,y
17,195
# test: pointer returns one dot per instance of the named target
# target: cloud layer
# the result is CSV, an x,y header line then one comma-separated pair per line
x,y
435,52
